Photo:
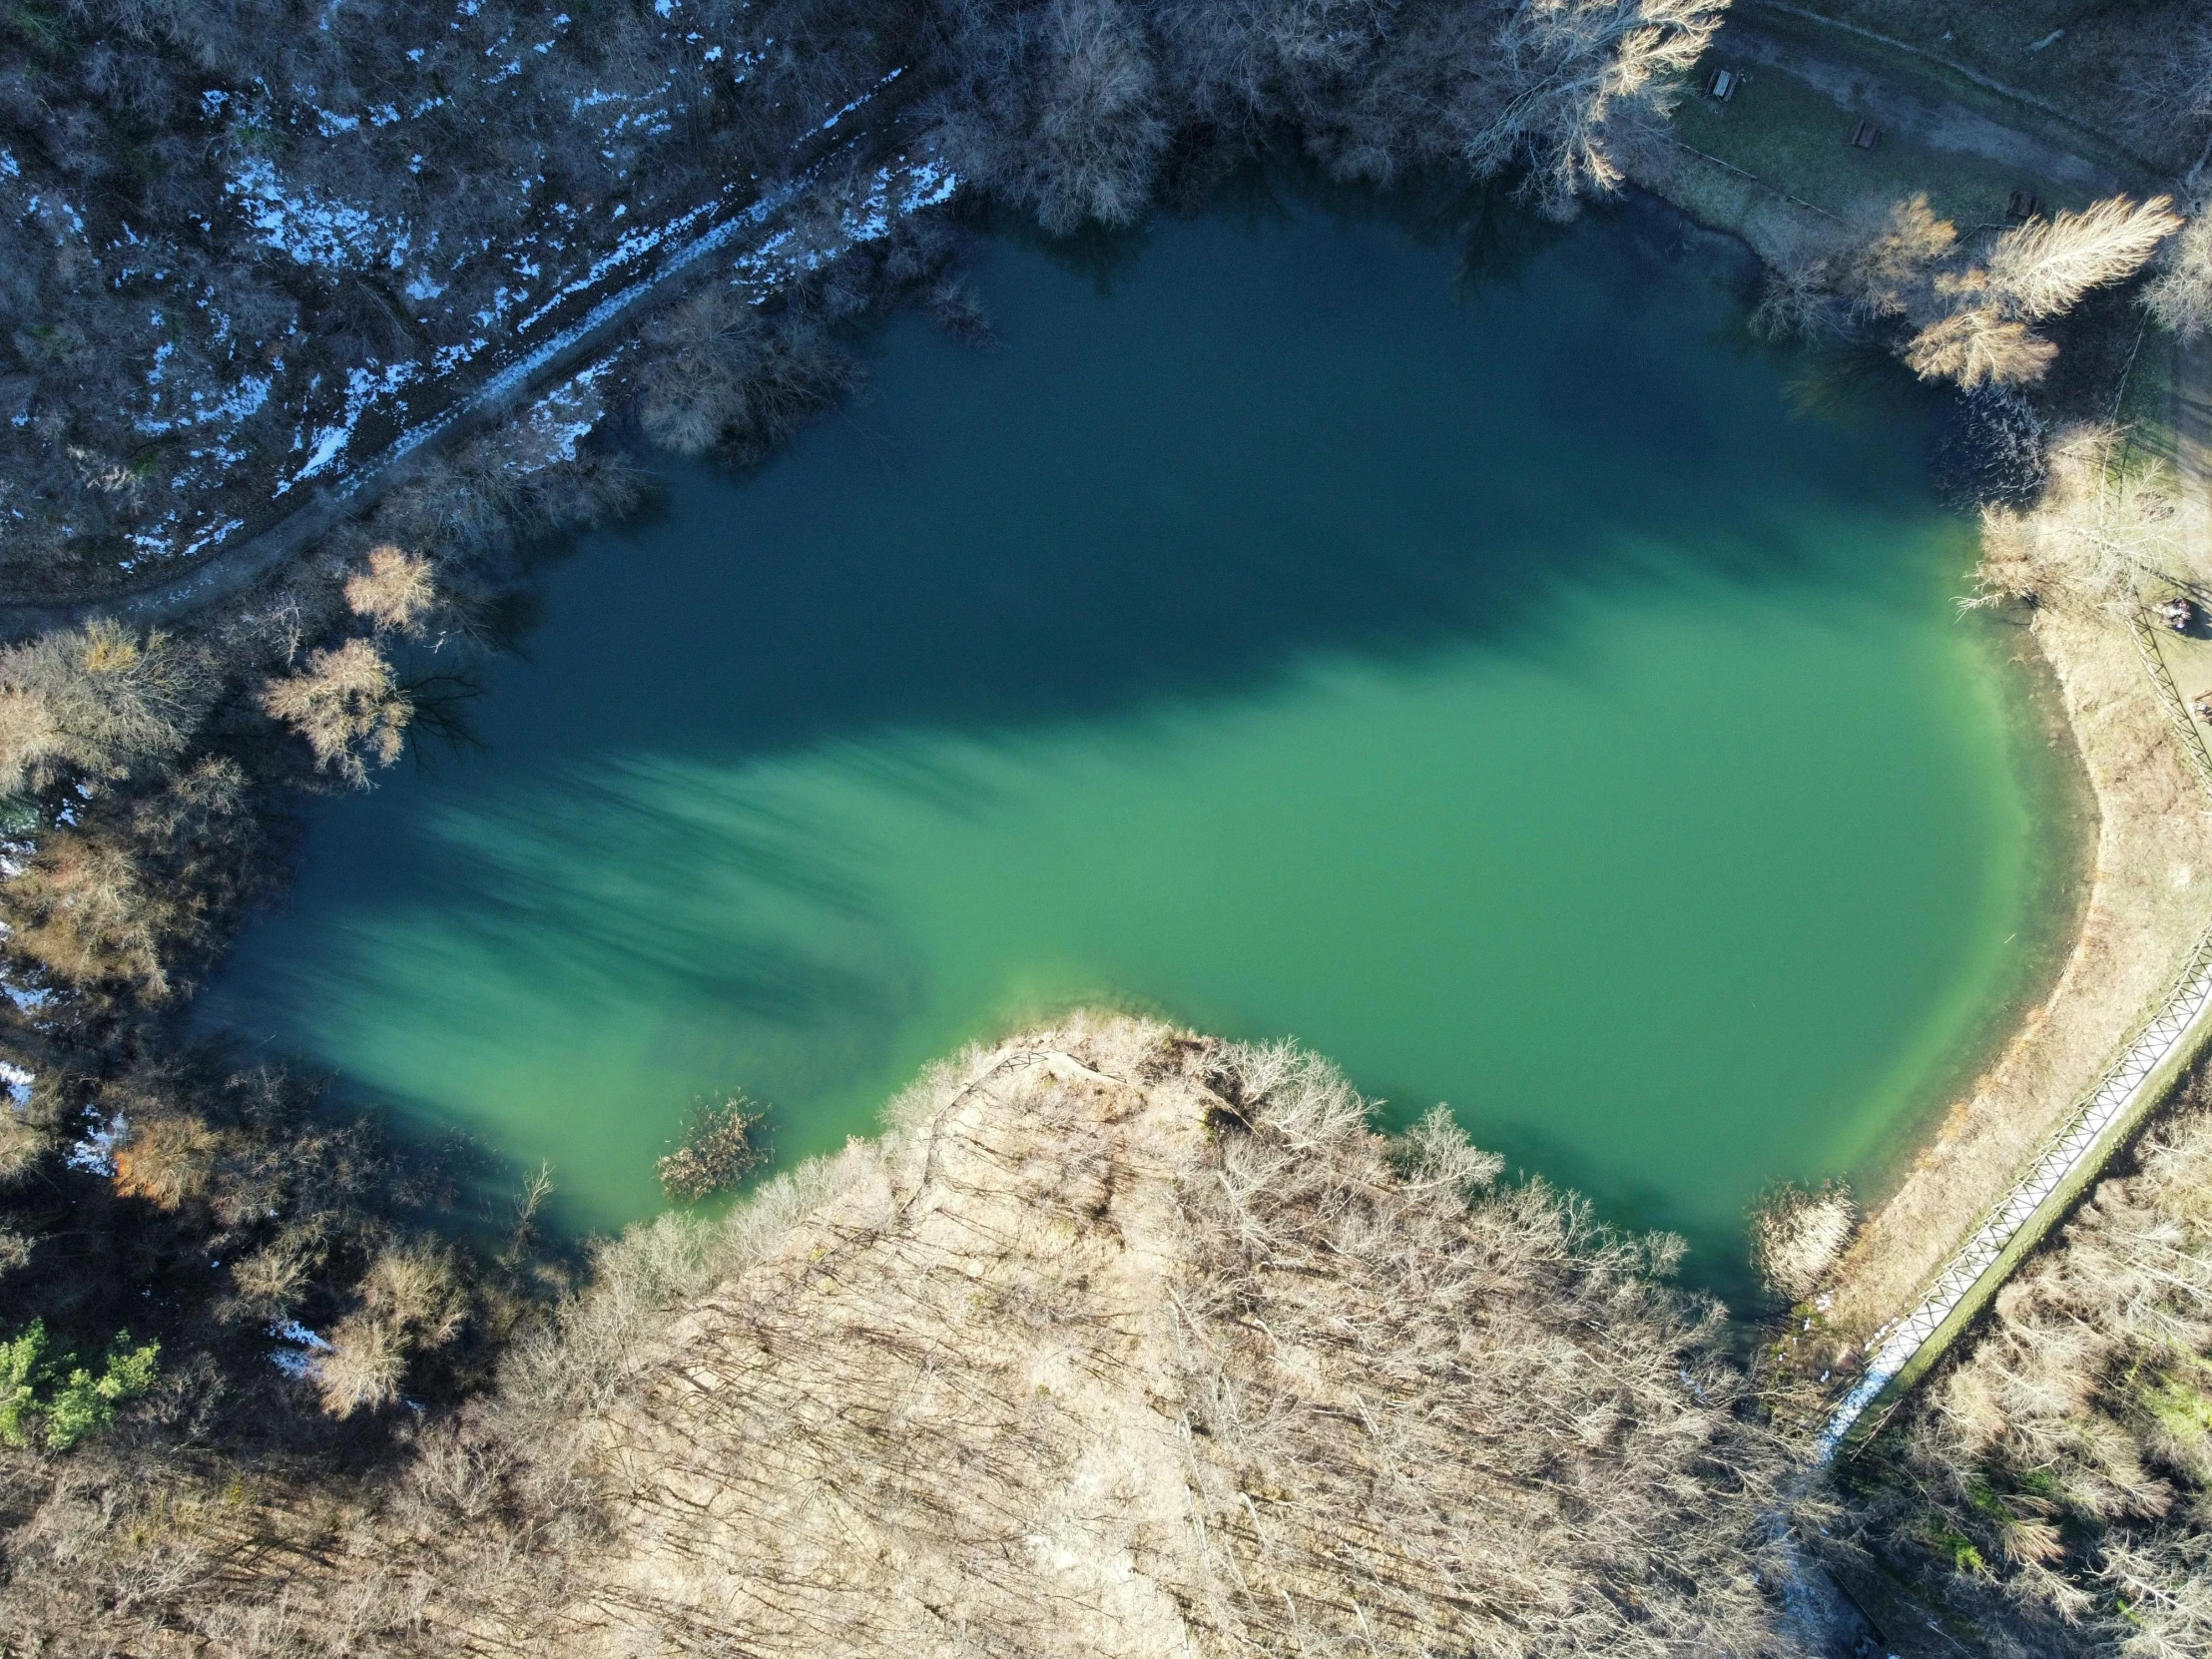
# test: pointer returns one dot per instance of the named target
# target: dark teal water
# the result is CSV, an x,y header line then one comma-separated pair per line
x,y
1487,678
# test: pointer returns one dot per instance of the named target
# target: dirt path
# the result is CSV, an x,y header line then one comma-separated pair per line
x,y
2055,130
1917,112
2128,1007
2152,1062
237,567
2151,835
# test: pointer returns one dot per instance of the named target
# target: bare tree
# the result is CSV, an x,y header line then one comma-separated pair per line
x,y
1954,317
2044,266
2180,294
2168,85
345,704
2037,272
394,591
1095,139
1125,1340
1575,74
721,375
363,1365
2054,1476
2105,525
1977,346
1890,274
97,701
412,1301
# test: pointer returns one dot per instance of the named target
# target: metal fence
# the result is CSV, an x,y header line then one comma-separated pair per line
x,y
2109,1100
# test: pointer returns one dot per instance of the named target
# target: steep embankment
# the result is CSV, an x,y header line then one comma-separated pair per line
x,y
1128,1341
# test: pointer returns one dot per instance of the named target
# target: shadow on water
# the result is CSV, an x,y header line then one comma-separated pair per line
x,y
1282,437
1306,427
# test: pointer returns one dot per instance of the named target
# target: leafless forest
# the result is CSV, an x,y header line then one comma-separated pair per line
x,y
235,228
1361,1399
235,231
2052,1487
1121,1341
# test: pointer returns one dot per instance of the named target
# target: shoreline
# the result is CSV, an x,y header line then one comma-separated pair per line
x,y
2102,968
2039,738
2143,901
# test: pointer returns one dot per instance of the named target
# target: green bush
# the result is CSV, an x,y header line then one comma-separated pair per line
x,y
76,1402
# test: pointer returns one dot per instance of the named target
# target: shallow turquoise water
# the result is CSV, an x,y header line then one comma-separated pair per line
x,y
1486,678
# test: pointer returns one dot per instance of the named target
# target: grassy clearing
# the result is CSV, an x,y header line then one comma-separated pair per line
x,y
1797,138
2084,71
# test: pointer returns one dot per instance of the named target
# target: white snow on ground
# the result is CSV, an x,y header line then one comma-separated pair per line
x,y
313,231
95,1152
363,387
562,418
634,246
28,999
857,103
894,192
229,409
335,235
298,1358
18,1082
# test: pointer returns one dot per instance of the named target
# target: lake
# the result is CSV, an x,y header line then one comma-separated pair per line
x,y
1461,650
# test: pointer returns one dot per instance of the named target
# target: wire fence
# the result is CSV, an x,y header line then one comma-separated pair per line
x,y
2110,1100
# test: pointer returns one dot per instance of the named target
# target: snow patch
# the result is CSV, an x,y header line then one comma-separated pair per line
x,y
562,418
297,1358
95,1151
28,999
363,389
855,103
335,235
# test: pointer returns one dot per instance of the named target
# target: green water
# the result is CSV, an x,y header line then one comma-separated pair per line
x,y
1482,675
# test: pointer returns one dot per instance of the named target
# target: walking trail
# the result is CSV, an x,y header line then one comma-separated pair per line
x,y
2147,1067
